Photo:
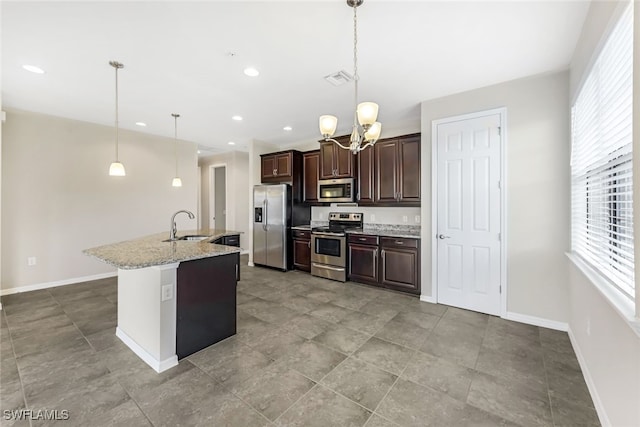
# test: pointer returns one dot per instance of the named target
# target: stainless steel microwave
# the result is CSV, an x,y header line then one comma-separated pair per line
x,y
336,190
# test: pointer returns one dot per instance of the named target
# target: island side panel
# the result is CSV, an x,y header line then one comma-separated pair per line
x,y
206,302
146,323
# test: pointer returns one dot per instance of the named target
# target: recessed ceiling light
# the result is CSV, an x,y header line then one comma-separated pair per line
x,y
33,69
251,72
141,124
237,118
231,143
198,151
287,128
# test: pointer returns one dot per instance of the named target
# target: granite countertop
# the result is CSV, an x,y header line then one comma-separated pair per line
x,y
150,250
408,233
302,227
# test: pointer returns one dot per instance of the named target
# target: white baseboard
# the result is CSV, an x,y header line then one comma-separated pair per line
x,y
0,306
427,298
56,283
250,264
157,365
537,321
597,403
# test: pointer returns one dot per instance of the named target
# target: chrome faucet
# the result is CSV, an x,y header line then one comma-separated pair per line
x,y
174,230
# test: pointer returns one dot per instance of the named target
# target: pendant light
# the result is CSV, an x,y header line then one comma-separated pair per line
x,y
177,182
116,168
366,130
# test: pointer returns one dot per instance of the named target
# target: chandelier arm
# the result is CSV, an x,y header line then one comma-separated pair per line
x,y
337,143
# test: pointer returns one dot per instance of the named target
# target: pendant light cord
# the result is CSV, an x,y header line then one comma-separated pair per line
x,y
355,64
175,145
116,67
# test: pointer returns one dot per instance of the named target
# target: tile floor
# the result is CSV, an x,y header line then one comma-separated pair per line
x,y
308,352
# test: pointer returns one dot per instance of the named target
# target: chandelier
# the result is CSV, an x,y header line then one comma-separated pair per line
x,y
366,130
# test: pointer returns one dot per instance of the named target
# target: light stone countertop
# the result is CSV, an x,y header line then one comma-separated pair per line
x,y
150,250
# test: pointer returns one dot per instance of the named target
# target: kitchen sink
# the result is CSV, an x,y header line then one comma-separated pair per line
x,y
195,237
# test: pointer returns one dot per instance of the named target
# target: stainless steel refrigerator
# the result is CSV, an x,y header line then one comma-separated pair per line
x,y
271,223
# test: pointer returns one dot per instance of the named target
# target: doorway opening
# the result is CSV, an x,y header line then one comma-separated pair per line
x,y
218,197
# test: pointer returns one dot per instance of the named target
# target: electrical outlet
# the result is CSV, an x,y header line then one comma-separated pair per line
x,y
167,292
417,219
372,218
589,327
404,218
31,261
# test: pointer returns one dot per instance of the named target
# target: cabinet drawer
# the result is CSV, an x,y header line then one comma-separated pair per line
x,y
399,242
363,239
301,234
233,240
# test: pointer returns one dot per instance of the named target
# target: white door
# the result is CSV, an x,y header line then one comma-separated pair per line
x,y
469,213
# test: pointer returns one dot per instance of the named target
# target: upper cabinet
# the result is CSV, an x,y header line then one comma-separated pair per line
x,y
277,167
366,178
397,171
311,162
336,162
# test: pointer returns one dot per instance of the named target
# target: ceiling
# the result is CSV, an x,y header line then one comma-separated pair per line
x,y
188,58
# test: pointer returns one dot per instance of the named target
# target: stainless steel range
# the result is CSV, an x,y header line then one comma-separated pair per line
x,y
329,245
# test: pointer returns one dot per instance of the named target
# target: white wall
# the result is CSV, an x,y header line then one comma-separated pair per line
x,y
237,196
537,186
58,198
607,346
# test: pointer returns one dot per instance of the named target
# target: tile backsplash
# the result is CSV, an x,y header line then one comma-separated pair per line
x,y
372,215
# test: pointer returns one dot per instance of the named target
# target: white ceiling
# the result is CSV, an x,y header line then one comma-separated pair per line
x,y
188,58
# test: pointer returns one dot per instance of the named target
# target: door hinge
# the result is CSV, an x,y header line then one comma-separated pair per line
x,y
500,287
500,185
499,130
499,237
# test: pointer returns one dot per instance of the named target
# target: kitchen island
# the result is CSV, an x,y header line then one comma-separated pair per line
x,y
174,297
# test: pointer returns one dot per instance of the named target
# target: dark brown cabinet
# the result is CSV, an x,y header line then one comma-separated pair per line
x,y
393,263
311,163
363,258
301,250
232,240
366,178
277,167
400,264
336,162
397,171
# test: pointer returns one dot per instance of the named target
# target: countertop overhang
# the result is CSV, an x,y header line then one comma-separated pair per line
x,y
149,251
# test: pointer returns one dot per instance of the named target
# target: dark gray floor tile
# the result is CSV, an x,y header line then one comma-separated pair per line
x,y
471,318
363,322
91,325
127,414
273,390
351,302
515,345
524,368
330,312
40,328
568,413
322,407
307,326
454,341
512,401
66,335
385,355
321,295
11,396
250,329
402,333
377,421
561,385
522,330
276,314
439,374
49,311
277,343
343,339
193,399
424,320
361,382
103,339
313,360
557,341
230,361
410,404
301,303
242,298
427,308
474,417
24,299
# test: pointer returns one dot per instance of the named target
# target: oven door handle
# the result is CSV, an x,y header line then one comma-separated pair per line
x,y
326,267
327,234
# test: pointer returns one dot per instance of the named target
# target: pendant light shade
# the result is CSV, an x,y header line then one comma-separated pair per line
x,y
328,125
177,182
116,168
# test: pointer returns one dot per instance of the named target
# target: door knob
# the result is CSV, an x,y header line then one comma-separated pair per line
x,y
442,236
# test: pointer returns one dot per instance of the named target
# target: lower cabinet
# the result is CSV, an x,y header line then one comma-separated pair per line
x,y
393,263
301,250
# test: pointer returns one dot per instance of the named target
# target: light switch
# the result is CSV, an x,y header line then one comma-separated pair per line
x,y
167,292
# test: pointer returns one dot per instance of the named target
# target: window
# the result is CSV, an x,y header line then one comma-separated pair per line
x,y
601,161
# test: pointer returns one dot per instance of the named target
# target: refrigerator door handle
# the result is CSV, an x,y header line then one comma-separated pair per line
x,y
265,216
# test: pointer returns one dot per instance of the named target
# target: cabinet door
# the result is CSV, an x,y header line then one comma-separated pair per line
x,y
269,168
363,263
344,162
386,173
283,165
366,178
409,170
327,166
311,164
399,269
302,254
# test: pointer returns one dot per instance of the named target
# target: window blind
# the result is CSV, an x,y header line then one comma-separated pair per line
x,y
601,172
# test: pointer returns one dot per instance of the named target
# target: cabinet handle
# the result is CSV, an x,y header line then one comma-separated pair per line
x,y
358,196
309,244
237,275
362,239
275,172
398,242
